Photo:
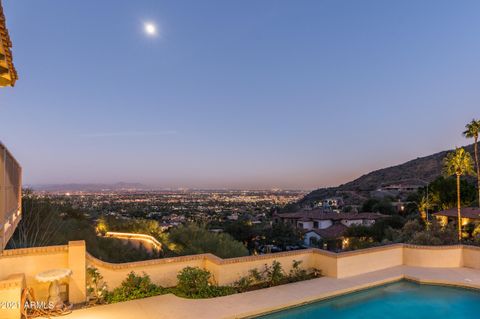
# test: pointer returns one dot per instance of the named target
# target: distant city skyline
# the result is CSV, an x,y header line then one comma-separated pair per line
x,y
242,95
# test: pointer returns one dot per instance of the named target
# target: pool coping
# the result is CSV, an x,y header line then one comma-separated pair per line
x,y
366,286
371,286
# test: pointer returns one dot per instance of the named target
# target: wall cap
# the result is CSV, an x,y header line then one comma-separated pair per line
x,y
34,250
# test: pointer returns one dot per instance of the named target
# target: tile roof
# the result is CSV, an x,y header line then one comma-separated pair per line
x,y
8,74
333,232
467,212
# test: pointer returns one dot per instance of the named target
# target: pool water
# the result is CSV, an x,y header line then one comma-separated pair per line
x,y
402,299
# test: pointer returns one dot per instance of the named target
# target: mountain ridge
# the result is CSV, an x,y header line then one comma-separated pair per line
x,y
419,171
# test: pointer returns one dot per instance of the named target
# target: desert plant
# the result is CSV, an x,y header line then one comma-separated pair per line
x,y
273,275
297,273
194,282
134,287
96,287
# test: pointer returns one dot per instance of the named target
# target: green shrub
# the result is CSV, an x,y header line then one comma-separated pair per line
x,y
297,273
134,287
274,275
96,287
194,282
194,239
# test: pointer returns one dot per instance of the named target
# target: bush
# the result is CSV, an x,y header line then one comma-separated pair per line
x,y
193,239
415,232
134,287
194,282
273,276
96,287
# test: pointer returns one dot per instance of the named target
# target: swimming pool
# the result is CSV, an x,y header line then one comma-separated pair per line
x,y
402,299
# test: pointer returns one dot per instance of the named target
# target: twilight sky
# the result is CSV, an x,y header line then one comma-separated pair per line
x,y
244,94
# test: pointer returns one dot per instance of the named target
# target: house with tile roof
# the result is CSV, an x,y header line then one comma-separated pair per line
x,y
326,227
470,215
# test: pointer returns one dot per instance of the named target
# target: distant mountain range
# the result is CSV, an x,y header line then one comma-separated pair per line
x,y
418,171
89,187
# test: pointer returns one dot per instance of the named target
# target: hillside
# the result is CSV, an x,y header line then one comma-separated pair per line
x,y
416,171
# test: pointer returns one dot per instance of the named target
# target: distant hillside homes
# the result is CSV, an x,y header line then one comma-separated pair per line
x,y
324,228
403,178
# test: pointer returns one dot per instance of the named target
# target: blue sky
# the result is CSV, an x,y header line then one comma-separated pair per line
x,y
242,94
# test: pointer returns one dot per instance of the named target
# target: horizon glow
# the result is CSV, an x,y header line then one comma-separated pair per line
x,y
242,95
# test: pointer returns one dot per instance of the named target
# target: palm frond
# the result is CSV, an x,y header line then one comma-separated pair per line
x,y
459,162
472,129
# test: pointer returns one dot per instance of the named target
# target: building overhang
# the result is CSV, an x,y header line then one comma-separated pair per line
x,y
8,74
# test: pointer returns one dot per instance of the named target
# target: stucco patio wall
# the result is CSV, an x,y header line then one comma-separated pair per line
x,y
227,271
471,257
31,261
162,271
357,262
337,265
433,256
10,292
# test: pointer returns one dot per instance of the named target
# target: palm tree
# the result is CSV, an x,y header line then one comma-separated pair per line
x,y
427,203
458,163
472,130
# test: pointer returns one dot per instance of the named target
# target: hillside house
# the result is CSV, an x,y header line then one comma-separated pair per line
x,y
470,215
324,226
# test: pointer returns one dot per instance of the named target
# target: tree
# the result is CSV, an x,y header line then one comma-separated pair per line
x,y
40,225
443,193
194,239
424,205
283,235
244,232
382,206
472,130
458,163
414,232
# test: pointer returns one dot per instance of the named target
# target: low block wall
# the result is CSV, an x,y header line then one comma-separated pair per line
x,y
227,271
162,271
471,257
433,256
10,293
367,260
31,261
337,265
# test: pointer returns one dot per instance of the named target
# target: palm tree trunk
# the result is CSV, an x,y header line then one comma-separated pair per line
x,y
478,168
459,210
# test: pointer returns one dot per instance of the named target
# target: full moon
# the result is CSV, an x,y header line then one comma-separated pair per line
x,y
150,28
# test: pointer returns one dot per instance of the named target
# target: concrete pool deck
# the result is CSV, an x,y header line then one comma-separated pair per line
x,y
270,299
